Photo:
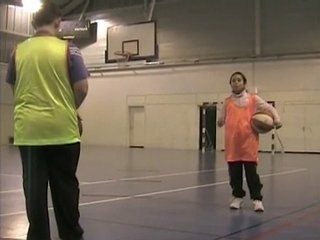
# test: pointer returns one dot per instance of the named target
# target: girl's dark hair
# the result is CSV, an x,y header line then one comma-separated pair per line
x,y
241,74
46,14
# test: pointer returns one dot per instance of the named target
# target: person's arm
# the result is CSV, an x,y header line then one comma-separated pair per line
x,y
221,114
11,71
80,89
78,74
263,106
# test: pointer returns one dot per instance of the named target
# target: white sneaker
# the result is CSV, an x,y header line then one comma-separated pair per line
x,y
236,203
258,206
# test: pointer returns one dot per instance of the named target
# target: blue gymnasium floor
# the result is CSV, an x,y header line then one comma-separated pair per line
x,y
143,194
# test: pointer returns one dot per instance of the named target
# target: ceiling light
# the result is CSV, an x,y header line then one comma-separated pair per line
x,y
31,5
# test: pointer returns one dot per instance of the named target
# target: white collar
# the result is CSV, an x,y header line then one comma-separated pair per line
x,y
239,95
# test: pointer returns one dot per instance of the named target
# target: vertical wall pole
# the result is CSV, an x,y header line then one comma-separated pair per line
x,y
153,3
257,27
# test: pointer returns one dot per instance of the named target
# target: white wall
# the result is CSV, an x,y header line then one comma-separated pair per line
x,y
108,97
294,85
171,97
169,126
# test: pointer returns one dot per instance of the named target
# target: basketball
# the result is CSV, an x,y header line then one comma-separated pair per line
x,y
262,122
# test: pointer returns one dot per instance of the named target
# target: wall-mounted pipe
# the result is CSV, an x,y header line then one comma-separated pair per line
x,y
84,10
257,22
145,8
15,33
153,3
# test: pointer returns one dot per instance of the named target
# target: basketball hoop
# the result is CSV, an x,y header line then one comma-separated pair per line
x,y
122,58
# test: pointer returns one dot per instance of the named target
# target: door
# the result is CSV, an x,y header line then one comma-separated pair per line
x,y
136,127
207,129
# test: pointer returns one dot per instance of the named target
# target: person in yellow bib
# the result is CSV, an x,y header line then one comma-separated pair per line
x,y
49,81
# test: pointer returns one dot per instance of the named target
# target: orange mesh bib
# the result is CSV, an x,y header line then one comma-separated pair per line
x,y
241,142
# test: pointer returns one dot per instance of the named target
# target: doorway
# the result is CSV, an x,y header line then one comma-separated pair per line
x,y
207,126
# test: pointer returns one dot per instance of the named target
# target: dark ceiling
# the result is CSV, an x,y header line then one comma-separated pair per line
x,y
98,5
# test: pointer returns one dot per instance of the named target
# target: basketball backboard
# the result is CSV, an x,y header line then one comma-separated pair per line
x,y
139,39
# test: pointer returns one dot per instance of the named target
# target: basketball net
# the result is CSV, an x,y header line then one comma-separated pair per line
x,y
122,58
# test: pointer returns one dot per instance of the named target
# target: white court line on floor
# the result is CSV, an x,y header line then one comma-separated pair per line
x,y
164,192
154,176
130,179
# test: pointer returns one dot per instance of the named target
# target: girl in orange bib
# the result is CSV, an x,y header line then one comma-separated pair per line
x,y
241,141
